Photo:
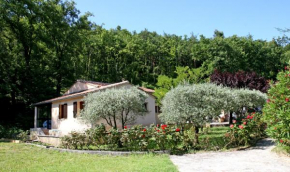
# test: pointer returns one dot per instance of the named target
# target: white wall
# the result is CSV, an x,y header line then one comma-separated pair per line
x,y
70,123
74,124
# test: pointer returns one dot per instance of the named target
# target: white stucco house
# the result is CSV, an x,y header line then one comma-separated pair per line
x,y
62,114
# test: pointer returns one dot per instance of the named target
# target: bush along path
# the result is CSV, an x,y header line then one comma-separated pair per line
x,y
257,158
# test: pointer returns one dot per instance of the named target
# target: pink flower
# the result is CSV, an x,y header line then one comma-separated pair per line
x,y
231,126
245,123
248,117
287,99
285,67
281,141
125,127
268,101
234,121
241,127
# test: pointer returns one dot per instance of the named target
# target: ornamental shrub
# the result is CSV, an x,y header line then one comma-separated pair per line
x,y
246,131
277,110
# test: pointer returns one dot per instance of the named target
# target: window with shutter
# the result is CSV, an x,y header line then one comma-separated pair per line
x,y
60,111
65,111
75,109
81,105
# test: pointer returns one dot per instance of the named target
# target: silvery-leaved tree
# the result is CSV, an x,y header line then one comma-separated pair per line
x,y
121,105
199,102
195,103
245,98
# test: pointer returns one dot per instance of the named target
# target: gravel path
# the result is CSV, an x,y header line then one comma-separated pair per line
x,y
255,159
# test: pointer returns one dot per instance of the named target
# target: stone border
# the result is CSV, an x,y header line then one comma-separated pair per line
x,y
114,153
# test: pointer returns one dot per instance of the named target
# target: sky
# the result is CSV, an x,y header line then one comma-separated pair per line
x,y
259,18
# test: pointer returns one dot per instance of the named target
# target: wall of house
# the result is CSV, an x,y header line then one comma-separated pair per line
x,y
70,123
75,124
150,117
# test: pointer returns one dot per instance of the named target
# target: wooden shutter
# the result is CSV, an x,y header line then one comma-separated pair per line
x,y
65,111
75,111
60,114
81,105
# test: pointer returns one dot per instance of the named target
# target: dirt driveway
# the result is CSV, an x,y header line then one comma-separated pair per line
x,y
258,158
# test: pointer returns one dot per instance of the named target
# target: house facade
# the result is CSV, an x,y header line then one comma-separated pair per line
x,y
62,114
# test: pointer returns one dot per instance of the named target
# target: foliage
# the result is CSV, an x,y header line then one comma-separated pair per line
x,y
152,138
249,129
9,132
23,136
115,105
277,110
200,102
47,45
240,79
184,74
249,99
13,154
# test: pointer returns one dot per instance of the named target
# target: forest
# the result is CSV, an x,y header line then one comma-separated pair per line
x,y
45,46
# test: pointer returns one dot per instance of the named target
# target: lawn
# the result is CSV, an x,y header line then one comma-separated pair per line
x,y
21,157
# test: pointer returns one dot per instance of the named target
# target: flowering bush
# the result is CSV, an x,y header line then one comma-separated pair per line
x,y
277,109
249,128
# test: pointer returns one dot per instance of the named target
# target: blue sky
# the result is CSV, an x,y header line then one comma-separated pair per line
x,y
259,18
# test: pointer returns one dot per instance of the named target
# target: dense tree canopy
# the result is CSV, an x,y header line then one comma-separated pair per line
x,y
47,45
115,106
198,103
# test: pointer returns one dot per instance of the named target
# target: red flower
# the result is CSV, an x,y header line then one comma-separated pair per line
x,y
125,127
287,99
253,112
245,123
248,117
234,121
241,127
158,131
281,141
143,135
232,126
177,130
285,67
157,125
144,129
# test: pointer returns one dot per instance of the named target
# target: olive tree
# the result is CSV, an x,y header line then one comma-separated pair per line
x,y
113,105
195,103
200,102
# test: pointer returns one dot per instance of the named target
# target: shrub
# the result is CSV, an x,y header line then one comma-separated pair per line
x,y
240,79
248,129
277,109
9,132
76,140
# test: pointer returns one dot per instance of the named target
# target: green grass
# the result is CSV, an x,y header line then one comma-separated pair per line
x,y
282,149
21,157
213,139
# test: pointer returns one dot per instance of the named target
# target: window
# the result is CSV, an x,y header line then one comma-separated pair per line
x,y
82,105
145,106
75,109
63,111
157,109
